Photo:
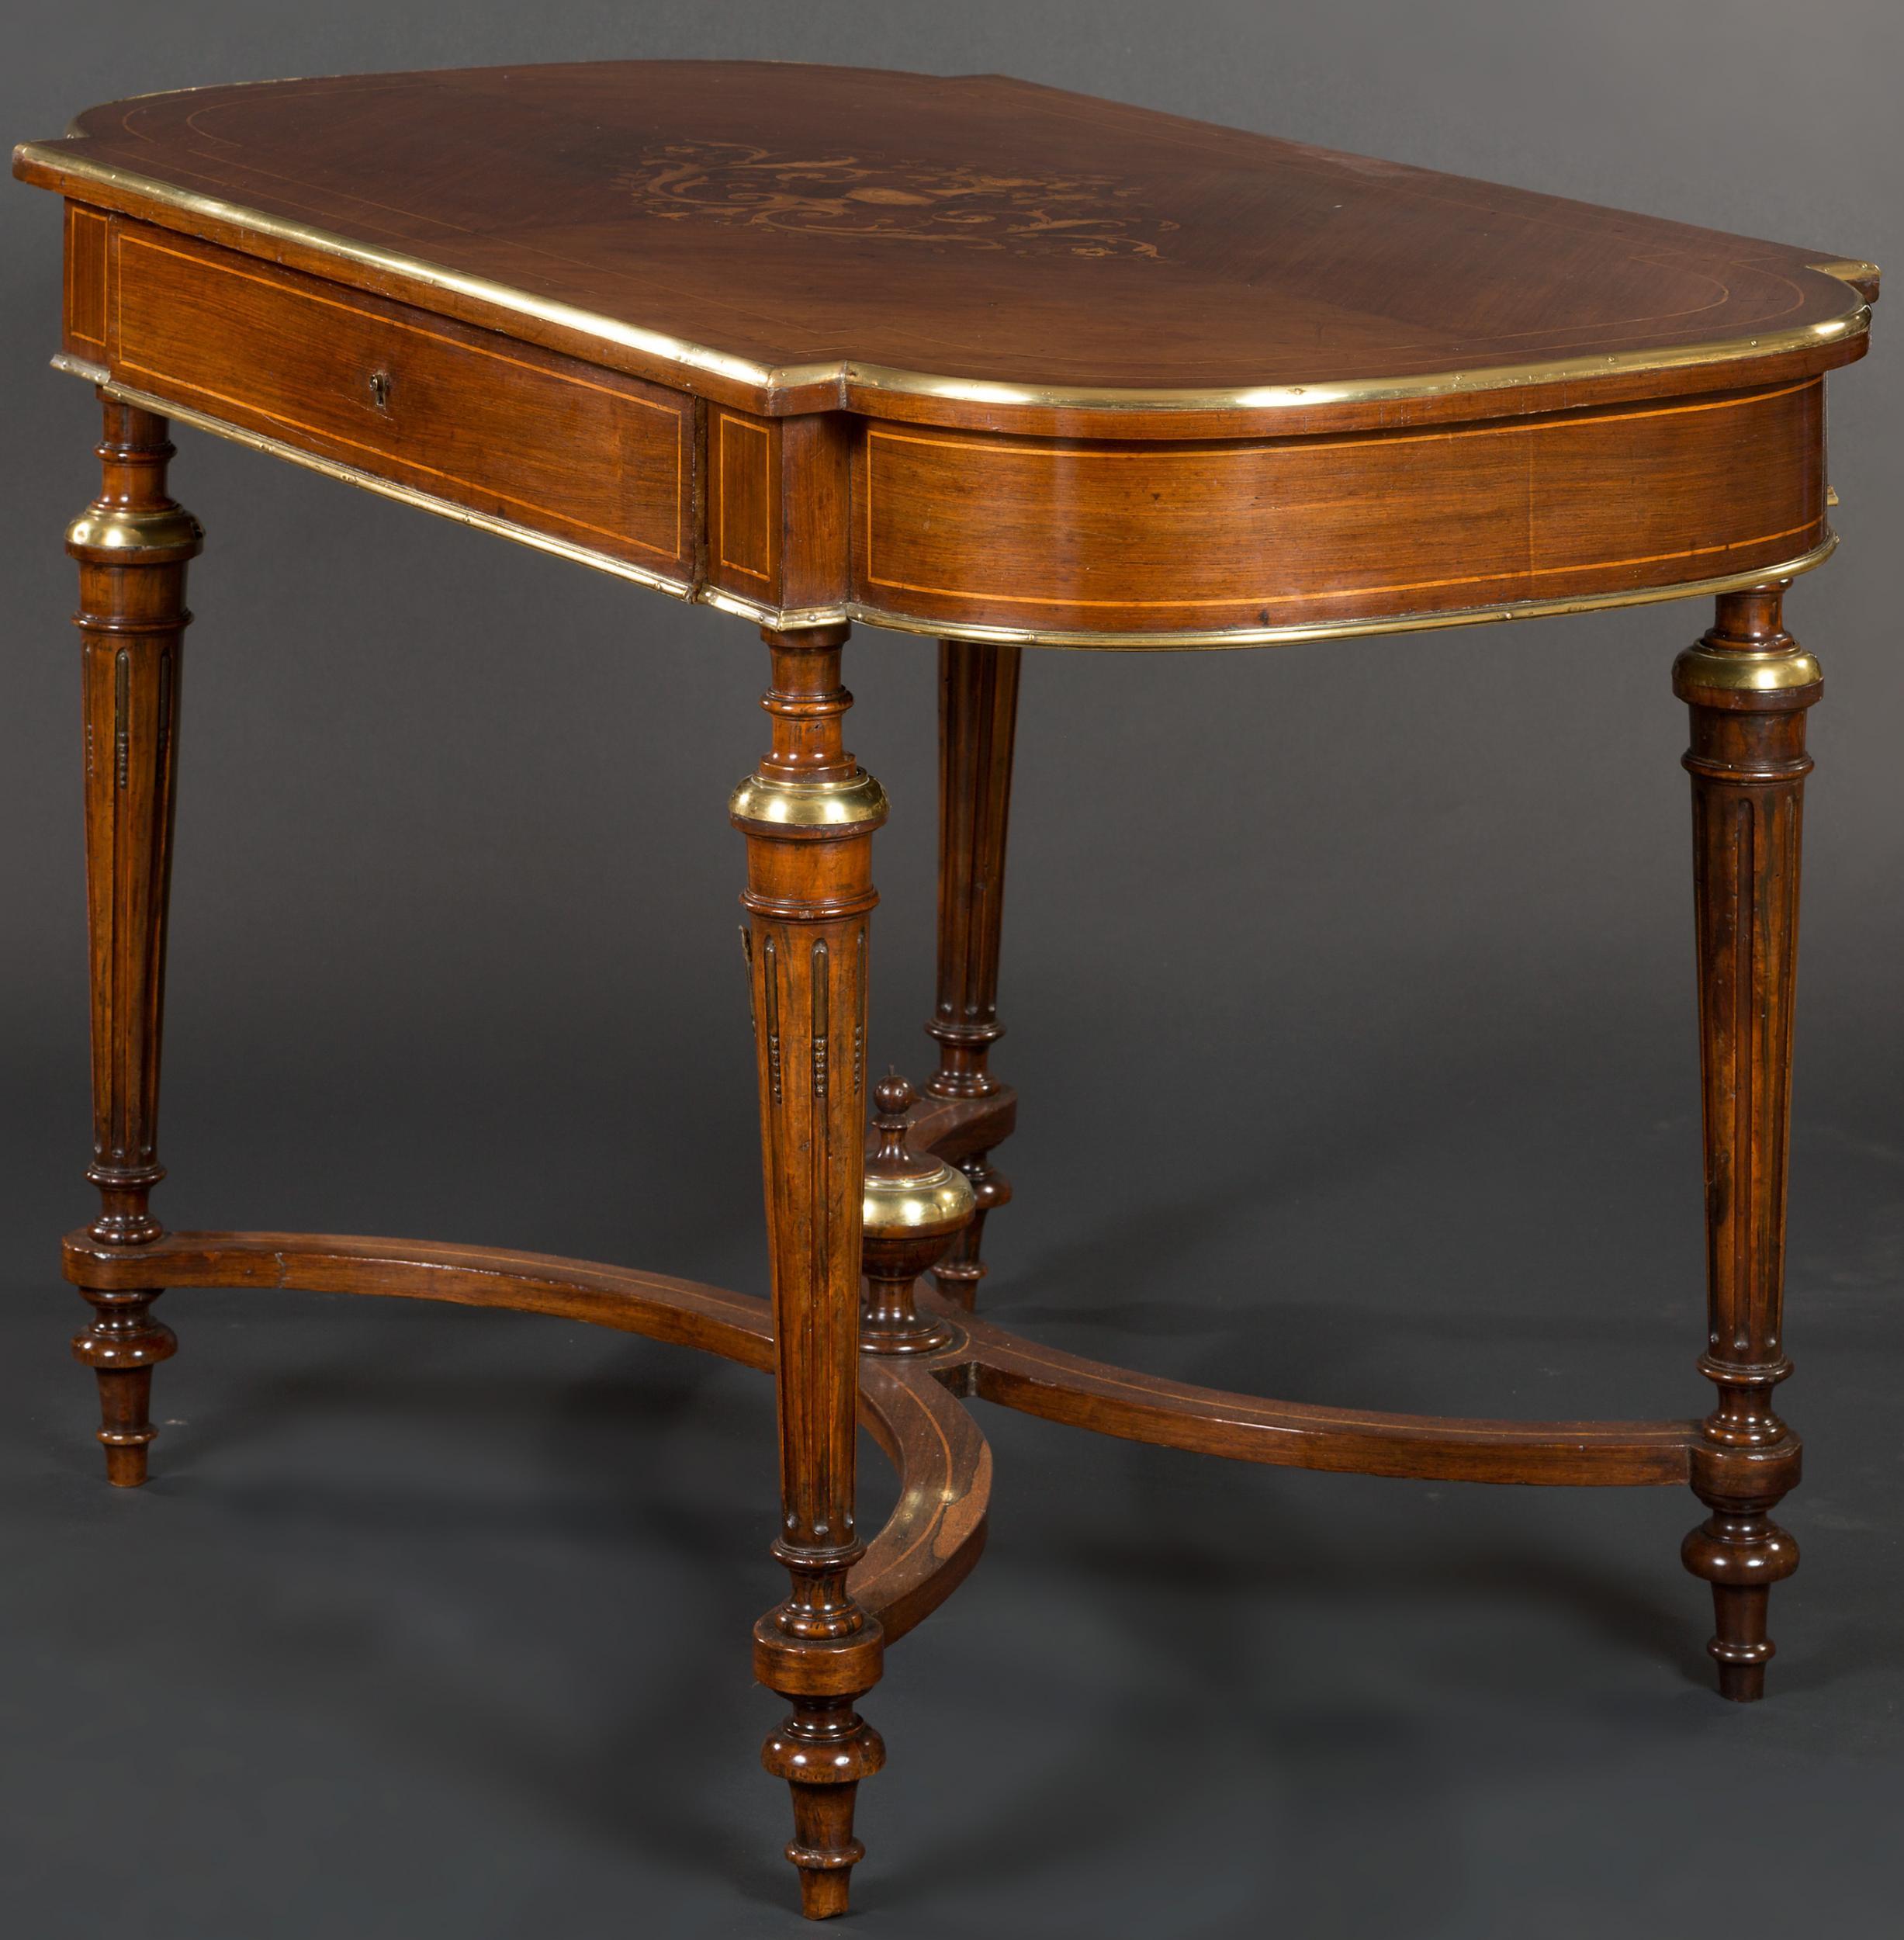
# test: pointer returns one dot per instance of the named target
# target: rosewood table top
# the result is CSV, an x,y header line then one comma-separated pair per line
x,y
999,261
790,238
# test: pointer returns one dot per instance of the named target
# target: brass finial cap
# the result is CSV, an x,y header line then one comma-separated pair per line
x,y
909,1196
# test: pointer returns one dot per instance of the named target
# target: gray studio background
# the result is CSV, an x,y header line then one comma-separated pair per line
x,y
1364,1073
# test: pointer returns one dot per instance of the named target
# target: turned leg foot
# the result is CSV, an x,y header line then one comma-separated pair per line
x,y
1747,684
122,1346
132,544
823,1748
808,812
1742,1553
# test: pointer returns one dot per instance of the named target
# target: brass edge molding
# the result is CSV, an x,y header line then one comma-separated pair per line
x,y
858,379
783,619
656,343
848,376
1848,271
791,619
943,627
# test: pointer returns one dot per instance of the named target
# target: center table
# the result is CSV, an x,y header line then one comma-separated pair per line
x,y
985,360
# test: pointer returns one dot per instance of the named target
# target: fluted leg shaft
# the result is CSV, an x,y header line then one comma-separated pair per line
x,y
809,813
132,545
1747,684
978,722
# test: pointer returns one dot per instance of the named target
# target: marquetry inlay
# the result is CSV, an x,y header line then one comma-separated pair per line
x,y
895,199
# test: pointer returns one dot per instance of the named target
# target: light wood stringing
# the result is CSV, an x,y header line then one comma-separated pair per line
x,y
590,456
958,527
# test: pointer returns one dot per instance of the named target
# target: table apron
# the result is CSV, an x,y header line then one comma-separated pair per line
x,y
807,520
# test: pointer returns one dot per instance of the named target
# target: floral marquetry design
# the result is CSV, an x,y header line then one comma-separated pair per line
x,y
728,181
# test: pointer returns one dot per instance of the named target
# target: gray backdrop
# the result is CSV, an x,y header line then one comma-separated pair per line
x,y
1368,1075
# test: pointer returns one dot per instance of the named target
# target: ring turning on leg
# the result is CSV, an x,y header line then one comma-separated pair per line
x,y
132,544
809,813
1747,684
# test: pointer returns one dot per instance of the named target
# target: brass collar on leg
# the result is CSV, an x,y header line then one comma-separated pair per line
x,y
1733,670
809,807
120,535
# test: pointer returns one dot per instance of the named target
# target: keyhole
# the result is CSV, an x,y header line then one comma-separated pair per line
x,y
380,389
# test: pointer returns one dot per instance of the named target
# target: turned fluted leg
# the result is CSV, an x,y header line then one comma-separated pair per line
x,y
809,813
978,720
1747,684
132,545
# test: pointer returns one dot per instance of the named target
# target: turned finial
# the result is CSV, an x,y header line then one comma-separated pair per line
x,y
895,1098
915,1206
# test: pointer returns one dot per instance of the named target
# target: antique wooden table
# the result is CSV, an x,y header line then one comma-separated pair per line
x,y
982,360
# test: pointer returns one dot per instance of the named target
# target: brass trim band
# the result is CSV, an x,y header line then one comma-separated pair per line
x,y
809,807
858,377
113,531
846,376
1780,573
939,1200
793,619
1733,670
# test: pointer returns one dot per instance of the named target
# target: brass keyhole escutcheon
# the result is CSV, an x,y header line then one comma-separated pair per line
x,y
380,389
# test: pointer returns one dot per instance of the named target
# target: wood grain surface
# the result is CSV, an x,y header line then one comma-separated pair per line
x,y
960,356
788,237
1021,533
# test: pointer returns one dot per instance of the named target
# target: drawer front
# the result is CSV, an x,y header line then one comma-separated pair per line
x,y
589,457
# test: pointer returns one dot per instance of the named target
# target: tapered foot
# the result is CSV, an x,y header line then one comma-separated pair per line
x,y
823,1749
1741,1659
1741,1554
122,1346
